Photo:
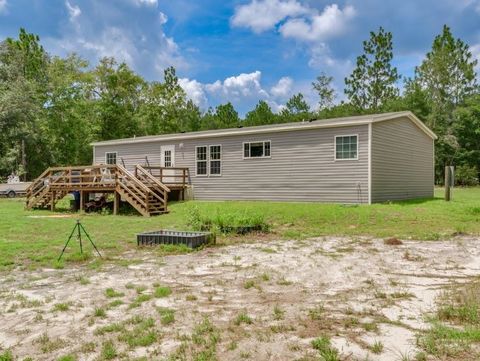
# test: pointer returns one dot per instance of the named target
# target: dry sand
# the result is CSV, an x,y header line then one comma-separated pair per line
x,y
357,291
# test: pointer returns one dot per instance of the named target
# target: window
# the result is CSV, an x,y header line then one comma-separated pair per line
x,y
168,158
256,149
215,160
111,158
209,160
201,160
346,147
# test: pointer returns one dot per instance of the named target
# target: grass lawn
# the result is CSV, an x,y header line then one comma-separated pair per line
x,y
30,239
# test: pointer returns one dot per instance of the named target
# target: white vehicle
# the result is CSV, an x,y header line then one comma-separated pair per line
x,y
14,188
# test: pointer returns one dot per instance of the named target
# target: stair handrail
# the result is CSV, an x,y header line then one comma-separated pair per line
x,y
133,179
152,178
41,178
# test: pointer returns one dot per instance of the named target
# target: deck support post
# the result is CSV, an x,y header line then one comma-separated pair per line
x,y
82,200
52,201
116,202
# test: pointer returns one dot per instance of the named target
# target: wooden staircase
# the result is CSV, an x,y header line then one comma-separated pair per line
x,y
147,194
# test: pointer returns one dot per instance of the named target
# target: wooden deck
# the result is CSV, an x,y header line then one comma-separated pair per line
x,y
147,193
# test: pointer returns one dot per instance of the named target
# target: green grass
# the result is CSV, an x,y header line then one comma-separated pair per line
x,y
455,329
162,291
61,307
33,242
109,352
242,317
167,316
111,293
6,356
325,349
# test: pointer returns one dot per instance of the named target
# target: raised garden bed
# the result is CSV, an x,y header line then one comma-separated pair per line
x,y
190,239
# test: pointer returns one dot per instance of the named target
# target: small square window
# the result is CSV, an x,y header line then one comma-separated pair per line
x,y
111,158
346,147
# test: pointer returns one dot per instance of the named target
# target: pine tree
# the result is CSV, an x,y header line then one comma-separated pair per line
x,y
373,81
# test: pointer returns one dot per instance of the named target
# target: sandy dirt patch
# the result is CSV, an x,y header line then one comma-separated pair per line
x,y
260,301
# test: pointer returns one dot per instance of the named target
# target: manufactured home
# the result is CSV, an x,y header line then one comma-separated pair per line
x,y
360,159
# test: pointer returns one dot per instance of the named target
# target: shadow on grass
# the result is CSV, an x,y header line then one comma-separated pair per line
x,y
415,201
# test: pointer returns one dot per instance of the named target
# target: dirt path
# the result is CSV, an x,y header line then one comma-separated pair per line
x,y
261,301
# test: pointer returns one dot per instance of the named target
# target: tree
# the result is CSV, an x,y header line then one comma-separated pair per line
x,y
373,81
326,94
224,116
164,107
297,104
466,129
116,88
448,72
33,56
262,114
23,65
67,118
446,78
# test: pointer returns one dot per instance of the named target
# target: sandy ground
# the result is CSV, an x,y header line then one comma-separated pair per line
x,y
356,291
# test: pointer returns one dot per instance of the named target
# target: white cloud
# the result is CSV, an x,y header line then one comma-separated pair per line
x,y
162,18
242,90
475,49
240,86
3,6
261,15
168,54
146,2
298,21
113,42
73,10
283,88
330,22
195,91
96,36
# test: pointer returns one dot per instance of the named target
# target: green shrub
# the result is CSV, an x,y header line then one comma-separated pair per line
x,y
227,223
466,175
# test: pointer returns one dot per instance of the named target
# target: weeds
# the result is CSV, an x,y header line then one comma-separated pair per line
x,y
167,316
377,347
109,352
111,293
326,351
100,312
243,318
161,292
278,313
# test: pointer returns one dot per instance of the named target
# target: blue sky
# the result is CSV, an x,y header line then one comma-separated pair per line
x,y
240,50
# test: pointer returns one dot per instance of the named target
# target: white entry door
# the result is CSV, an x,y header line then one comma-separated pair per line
x,y
167,160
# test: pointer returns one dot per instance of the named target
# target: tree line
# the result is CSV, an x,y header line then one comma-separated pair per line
x,y
52,108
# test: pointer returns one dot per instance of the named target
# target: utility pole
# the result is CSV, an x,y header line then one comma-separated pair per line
x,y
448,182
24,161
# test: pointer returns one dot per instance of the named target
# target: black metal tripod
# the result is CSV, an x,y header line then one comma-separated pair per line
x,y
78,227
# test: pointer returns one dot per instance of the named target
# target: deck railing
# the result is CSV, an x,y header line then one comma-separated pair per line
x,y
171,176
145,192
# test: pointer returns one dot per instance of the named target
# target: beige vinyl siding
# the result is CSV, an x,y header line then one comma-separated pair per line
x,y
302,166
402,161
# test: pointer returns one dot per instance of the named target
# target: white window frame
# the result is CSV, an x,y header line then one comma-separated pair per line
x,y
220,160
257,141
106,157
335,147
206,161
